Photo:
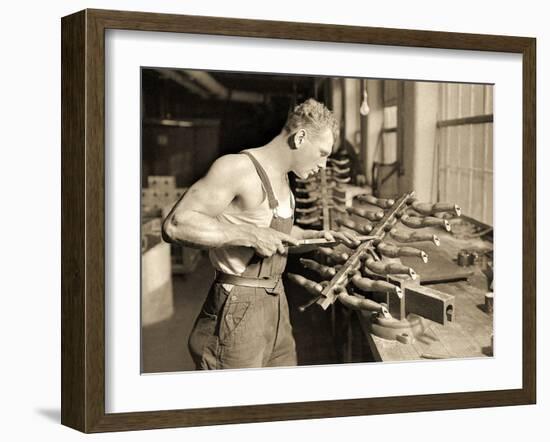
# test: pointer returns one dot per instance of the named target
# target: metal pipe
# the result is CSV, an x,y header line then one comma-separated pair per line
x,y
217,89
178,78
477,119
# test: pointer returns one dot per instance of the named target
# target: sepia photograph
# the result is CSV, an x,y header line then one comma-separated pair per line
x,y
267,221
293,220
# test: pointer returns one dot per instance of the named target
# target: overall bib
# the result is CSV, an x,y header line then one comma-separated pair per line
x,y
248,325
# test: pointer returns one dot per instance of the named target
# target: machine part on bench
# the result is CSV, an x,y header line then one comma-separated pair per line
x,y
401,330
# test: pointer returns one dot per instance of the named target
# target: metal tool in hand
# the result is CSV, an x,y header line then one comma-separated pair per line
x,y
307,245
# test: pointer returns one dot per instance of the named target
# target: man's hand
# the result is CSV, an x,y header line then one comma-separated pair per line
x,y
346,237
267,241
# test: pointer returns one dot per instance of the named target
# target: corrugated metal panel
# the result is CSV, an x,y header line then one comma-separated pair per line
x,y
465,154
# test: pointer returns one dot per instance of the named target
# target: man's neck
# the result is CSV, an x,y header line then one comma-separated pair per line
x,y
275,157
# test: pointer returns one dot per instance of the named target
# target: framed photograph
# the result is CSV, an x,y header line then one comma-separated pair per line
x,y
268,221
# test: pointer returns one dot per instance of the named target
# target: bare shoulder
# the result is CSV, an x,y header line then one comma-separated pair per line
x,y
231,164
230,170
225,181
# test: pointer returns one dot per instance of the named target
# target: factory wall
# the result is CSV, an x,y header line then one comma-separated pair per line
x,y
420,106
352,94
375,121
452,163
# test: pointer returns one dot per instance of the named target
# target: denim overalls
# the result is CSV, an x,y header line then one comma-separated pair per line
x,y
249,325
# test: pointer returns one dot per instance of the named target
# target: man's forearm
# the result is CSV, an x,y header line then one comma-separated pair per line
x,y
197,230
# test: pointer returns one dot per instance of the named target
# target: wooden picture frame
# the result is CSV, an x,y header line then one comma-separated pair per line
x,y
83,220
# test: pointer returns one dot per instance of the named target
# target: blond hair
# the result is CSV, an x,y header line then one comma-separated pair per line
x,y
311,115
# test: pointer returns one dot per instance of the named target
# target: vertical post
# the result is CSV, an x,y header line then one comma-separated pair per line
x,y
447,196
364,131
458,143
400,122
485,152
471,143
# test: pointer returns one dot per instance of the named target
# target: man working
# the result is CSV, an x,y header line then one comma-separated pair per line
x,y
242,211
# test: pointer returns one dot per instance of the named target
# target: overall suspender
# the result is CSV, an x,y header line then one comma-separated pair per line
x,y
263,265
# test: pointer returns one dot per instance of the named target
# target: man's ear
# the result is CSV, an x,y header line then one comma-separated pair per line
x,y
298,138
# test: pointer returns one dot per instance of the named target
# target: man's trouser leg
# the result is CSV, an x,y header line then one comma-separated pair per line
x,y
244,328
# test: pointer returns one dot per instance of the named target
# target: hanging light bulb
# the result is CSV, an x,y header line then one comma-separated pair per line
x,y
364,109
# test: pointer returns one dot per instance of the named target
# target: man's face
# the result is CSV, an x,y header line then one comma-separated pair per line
x,y
312,151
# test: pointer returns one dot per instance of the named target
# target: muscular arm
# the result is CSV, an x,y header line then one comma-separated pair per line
x,y
193,222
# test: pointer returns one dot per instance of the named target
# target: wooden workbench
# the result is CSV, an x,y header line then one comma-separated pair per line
x,y
469,335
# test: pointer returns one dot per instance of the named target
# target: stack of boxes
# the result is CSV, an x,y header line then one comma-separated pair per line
x,y
160,193
157,199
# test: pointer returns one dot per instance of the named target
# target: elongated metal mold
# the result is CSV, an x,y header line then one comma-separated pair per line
x,y
323,271
338,199
385,268
371,215
309,220
362,228
393,251
341,162
417,222
306,190
406,237
357,303
306,209
433,208
339,171
380,202
337,207
341,180
372,285
309,200
341,278
311,286
338,257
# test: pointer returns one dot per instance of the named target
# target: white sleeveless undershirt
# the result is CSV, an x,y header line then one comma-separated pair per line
x,y
233,260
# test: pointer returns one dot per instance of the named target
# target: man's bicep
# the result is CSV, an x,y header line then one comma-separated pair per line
x,y
206,198
211,194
